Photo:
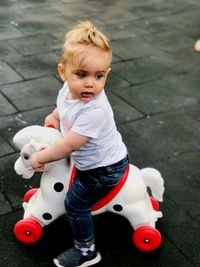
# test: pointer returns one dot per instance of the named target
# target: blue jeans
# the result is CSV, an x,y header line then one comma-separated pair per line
x,y
89,187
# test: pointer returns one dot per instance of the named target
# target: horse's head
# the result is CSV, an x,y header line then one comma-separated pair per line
x,y
30,140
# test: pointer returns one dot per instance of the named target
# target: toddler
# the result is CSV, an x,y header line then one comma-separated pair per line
x,y
85,119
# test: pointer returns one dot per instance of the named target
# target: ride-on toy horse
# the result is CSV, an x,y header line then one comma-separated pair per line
x,y
45,204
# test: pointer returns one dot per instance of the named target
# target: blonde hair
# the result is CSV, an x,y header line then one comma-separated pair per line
x,y
84,33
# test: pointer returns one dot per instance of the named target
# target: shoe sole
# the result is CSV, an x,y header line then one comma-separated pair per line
x,y
85,264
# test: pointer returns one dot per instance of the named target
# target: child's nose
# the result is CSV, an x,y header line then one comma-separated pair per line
x,y
89,82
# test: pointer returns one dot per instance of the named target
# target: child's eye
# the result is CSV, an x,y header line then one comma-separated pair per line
x,y
81,74
99,76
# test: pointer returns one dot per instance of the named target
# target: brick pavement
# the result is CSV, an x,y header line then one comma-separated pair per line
x,y
154,90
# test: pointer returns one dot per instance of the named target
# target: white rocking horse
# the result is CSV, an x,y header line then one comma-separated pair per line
x,y
45,204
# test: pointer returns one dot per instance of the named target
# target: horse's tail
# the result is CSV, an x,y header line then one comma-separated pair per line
x,y
153,179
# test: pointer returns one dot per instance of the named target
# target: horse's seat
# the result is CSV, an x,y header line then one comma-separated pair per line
x,y
105,200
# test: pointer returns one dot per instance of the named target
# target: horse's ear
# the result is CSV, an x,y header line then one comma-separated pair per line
x,y
35,146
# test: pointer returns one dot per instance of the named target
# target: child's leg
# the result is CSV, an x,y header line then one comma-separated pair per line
x,y
88,188
78,204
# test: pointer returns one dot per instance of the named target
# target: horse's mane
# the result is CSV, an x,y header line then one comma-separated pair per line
x,y
38,133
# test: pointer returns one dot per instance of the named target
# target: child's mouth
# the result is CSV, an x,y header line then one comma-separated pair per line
x,y
86,94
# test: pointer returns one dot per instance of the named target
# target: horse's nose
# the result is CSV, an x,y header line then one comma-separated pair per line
x,y
20,169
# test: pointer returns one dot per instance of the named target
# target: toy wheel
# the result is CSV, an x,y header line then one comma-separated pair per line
x,y
29,194
28,231
147,238
155,204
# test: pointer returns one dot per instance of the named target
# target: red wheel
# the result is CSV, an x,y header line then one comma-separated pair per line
x,y
154,204
147,238
29,194
28,231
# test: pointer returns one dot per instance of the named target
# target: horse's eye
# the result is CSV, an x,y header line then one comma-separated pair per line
x,y
25,156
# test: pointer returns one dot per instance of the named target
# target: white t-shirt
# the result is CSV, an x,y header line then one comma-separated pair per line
x,y
95,120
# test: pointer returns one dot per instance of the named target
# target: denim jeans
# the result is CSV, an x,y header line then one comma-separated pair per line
x,y
89,187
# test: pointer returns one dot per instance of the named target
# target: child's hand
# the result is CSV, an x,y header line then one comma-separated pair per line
x,y
51,120
36,165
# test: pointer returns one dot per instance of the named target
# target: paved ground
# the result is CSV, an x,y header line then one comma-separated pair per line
x,y
154,90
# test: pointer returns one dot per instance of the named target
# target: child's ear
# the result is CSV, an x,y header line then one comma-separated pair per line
x,y
109,69
61,71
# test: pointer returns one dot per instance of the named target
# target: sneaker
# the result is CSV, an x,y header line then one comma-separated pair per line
x,y
74,258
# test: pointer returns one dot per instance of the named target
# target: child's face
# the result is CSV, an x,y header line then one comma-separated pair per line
x,y
87,75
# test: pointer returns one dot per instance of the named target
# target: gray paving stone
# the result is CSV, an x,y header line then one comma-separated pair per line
x,y
125,113
21,5
169,41
8,17
141,70
184,60
5,206
131,48
192,31
152,25
33,94
185,167
10,125
73,9
120,248
5,107
122,30
192,111
8,31
192,241
34,44
177,225
15,253
158,8
171,92
43,25
170,208
5,148
114,15
36,65
7,51
188,18
14,185
152,137
42,13
7,74
141,153
126,257
115,58
114,81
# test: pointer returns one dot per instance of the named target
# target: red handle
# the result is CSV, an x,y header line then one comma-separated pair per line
x,y
51,126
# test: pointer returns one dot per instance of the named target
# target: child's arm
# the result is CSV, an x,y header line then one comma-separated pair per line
x,y
52,119
59,150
